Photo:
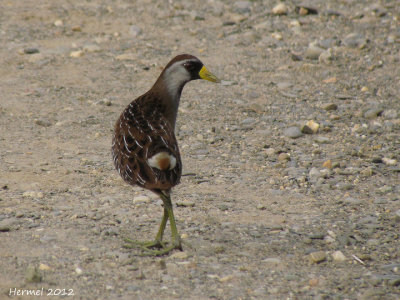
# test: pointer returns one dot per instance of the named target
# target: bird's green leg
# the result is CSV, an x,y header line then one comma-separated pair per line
x,y
176,239
157,243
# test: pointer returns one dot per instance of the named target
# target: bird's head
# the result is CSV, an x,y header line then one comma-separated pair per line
x,y
182,69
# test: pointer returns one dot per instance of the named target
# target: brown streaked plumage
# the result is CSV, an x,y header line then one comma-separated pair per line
x,y
144,148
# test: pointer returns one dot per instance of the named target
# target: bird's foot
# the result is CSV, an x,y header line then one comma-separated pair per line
x,y
147,245
153,248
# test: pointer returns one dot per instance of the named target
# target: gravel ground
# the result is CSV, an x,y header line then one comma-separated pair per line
x,y
291,166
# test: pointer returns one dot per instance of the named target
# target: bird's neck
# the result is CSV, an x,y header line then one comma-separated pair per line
x,y
169,95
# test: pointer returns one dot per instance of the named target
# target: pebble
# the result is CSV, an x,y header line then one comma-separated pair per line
x,y
326,57
355,40
322,140
78,271
76,54
315,174
303,10
310,127
44,267
31,50
397,215
91,48
280,9
141,199
284,157
373,113
272,260
293,132
32,275
327,164
186,203
317,257
389,161
135,30
313,52
7,225
42,122
330,106
58,23
338,256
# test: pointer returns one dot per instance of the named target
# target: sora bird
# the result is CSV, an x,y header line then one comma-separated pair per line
x,y
144,147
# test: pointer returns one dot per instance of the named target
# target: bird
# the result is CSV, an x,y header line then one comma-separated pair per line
x,y
144,146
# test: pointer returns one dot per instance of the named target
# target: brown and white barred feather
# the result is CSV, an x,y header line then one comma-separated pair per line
x,y
144,148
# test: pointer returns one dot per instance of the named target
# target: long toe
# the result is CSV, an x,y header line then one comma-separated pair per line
x,y
146,245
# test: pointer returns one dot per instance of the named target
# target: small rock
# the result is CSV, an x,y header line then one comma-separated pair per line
x,y
315,174
76,54
32,275
58,23
293,132
317,257
272,260
226,278
41,122
310,127
186,203
135,30
44,267
76,28
179,255
78,271
141,199
330,106
355,40
280,9
91,48
313,52
338,256
397,215
391,114
373,113
389,161
326,57
304,10
31,50
327,164
284,157
126,56
322,140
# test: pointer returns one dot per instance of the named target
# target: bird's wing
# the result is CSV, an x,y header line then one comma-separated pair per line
x,y
141,133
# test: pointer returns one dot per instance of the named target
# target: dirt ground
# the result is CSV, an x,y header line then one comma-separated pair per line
x,y
267,208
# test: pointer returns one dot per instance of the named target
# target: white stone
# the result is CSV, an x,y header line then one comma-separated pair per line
x,y
141,199
58,23
338,256
280,9
389,161
75,54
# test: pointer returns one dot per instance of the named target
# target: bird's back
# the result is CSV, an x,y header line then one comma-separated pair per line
x,y
141,132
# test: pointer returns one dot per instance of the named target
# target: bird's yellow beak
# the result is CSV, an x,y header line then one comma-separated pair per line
x,y
207,75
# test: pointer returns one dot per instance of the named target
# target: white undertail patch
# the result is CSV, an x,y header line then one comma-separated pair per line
x,y
162,161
